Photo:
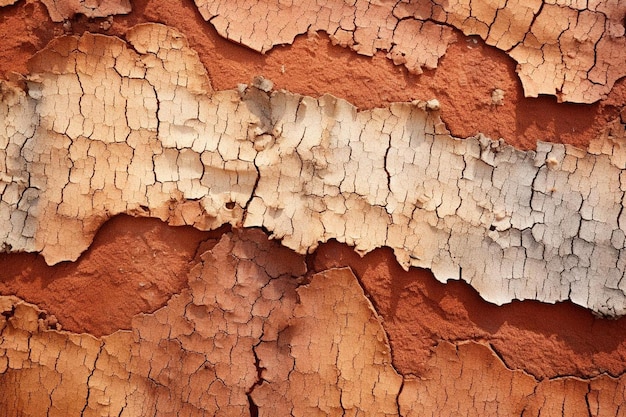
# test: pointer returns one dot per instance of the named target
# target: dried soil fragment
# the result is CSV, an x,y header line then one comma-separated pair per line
x,y
61,10
243,318
469,379
573,51
366,27
43,372
334,349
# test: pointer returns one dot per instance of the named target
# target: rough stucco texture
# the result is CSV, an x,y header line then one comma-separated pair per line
x,y
191,322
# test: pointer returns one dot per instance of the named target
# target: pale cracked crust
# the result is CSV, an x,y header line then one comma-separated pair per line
x,y
62,10
574,50
105,129
253,335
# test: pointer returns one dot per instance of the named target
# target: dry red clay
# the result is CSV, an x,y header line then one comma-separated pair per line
x,y
463,82
136,264
545,340
133,266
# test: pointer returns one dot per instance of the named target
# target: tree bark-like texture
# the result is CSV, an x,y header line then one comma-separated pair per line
x,y
178,241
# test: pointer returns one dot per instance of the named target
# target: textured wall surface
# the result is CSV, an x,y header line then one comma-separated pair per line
x,y
362,208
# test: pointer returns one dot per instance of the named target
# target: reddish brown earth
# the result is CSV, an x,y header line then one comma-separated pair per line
x,y
544,340
463,82
133,266
136,265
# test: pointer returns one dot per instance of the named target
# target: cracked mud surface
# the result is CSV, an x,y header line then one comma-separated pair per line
x,y
128,256
242,309
463,82
178,321
571,49
136,128
252,330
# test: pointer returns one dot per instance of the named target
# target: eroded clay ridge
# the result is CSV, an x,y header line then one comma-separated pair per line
x,y
572,49
102,127
253,334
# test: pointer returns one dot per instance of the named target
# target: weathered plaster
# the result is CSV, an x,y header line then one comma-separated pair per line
x,y
574,50
102,127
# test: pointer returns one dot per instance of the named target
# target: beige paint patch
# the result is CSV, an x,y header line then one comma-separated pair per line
x,y
102,128
573,50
